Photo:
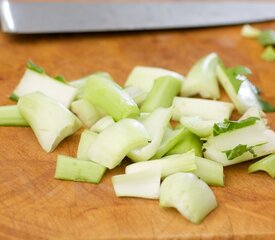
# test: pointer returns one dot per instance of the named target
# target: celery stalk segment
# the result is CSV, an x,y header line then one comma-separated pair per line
x,y
86,139
102,123
68,168
266,164
50,120
10,116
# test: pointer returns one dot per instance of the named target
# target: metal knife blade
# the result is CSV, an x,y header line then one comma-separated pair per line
x,y
50,17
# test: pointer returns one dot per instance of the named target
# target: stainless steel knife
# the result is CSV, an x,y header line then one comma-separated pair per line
x,y
57,17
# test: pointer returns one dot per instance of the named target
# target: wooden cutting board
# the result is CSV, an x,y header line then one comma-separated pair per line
x,y
33,205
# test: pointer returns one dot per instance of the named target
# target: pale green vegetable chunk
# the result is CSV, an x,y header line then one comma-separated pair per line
x,y
192,197
10,116
250,32
116,141
203,108
209,171
144,184
144,77
162,93
269,54
68,168
86,139
33,81
189,141
266,164
169,165
201,79
50,120
156,124
136,93
109,96
102,123
86,112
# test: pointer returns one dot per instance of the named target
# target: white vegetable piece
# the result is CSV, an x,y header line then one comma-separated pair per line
x,y
102,123
201,79
192,197
86,139
50,120
156,124
136,93
206,109
144,77
34,82
114,142
171,164
144,184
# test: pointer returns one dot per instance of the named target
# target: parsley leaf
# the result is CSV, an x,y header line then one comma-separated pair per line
x,y
60,79
34,67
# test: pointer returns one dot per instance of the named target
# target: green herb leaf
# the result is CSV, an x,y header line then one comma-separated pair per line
x,y
236,76
228,125
267,37
240,150
34,67
269,54
60,79
14,97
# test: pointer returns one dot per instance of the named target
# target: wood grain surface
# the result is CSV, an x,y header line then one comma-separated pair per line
x,y
33,205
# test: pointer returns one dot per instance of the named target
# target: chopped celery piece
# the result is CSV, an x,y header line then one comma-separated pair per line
x,y
80,83
68,168
114,142
137,94
156,124
189,141
254,112
192,197
86,112
266,164
267,37
198,126
250,32
209,171
241,91
206,109
201,79
10,116
162,93
257,136
169,165
108,95
144,77
33,81
269,54
102,123
144,184
50,120
170,139
86,139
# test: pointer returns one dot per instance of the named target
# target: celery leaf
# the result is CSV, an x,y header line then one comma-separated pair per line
x,y
34,67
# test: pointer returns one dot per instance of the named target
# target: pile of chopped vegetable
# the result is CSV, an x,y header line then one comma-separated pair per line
x,y
265,37
178,143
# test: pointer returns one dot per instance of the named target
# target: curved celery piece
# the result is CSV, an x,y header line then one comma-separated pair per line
x,y
189,141
10,116
33,81
108,95
250,32
170,139
156,124
241,94
86,112
80,83
114,142
145,184
206,109
102,123
192,197
257,139
136,93
209,171
144,77
68,168
201,79
169,165
86,139
162,93
50,120
198,126
266,164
